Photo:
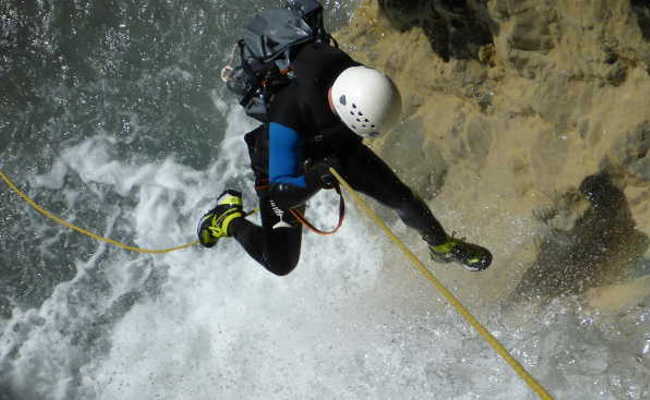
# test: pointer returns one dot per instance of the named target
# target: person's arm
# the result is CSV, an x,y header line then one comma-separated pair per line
x,y
289,186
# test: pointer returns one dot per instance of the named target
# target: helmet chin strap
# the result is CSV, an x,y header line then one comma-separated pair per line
x,y
330,102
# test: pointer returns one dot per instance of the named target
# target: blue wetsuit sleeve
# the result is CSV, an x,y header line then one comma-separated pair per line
x,y
285,156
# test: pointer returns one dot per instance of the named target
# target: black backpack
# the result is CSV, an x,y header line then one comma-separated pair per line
x,y
271,40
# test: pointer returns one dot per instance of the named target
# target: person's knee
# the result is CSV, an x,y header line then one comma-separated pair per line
x,y
281,265
280,269
403,199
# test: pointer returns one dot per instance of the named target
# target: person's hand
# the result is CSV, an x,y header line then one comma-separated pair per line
x,y
319,173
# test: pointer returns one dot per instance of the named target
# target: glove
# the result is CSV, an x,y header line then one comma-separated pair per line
x,y
318,177
318,173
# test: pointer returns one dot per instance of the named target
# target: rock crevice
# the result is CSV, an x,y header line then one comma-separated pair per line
x,y
454,28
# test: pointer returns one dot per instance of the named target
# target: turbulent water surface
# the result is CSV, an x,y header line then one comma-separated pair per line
x,y
113,117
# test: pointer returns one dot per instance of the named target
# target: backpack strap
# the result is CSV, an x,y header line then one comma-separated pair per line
x,y
266,54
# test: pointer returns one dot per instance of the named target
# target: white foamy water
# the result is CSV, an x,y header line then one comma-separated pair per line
x,y
212,324
351,322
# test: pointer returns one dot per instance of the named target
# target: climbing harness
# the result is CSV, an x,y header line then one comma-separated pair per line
x,y
305,222
446,293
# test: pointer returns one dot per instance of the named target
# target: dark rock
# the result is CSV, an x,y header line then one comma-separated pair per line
x,y
610,55
455,28
592,250
631,153
617,74
531,32
642,10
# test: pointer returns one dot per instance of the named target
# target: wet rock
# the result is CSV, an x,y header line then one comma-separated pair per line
x,y
631,152
420,163
531,31
542,103
586,246
455,28
641,9
616,74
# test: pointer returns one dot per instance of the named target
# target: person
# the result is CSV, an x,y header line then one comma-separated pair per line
x,y
319,120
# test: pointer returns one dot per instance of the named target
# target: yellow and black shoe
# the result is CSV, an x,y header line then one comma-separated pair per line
x,y
216,223
473,257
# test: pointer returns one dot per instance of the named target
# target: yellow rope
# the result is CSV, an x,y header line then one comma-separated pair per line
x,y
61,221
460,308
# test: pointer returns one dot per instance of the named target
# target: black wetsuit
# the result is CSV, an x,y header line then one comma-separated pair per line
x,y
302,127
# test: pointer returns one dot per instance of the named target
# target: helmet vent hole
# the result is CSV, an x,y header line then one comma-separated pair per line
x,y
354,105
367,120
360,114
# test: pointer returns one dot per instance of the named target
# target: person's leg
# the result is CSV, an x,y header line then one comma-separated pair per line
x,y
275,244
369,174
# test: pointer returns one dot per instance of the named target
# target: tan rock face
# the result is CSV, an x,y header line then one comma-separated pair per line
x,y
527,126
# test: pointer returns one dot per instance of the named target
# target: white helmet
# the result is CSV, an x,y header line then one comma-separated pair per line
x,y
366,100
